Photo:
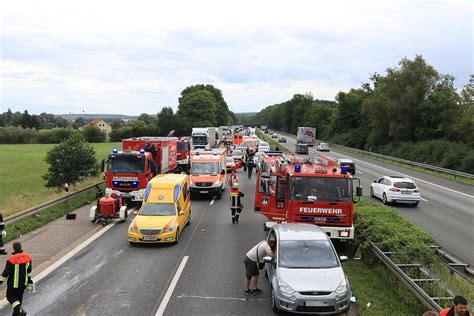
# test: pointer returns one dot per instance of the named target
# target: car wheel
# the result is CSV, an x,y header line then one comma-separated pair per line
x,y
189,219
176,239
274,305
372,192
384,199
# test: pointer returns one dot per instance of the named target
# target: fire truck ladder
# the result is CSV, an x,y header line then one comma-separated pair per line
x,y
423,277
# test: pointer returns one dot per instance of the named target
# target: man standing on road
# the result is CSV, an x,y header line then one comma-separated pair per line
x,y
18,272
253,257
235,202
459,308
250,165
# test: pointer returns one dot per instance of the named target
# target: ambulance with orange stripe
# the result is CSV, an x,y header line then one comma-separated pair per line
x,y
208,172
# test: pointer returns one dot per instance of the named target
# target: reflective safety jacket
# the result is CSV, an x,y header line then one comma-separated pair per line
x,y
17,270
450,312
235,196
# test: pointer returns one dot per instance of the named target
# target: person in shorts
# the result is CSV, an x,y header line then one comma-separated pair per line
x,y
255,255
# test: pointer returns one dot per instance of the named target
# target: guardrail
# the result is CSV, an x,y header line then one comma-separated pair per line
x,y
455,173
411,284
42,206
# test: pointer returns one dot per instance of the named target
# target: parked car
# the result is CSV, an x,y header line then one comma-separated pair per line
x,y
274,136
232,164
322,147
301,148
282,139
305,273
348,164
396,189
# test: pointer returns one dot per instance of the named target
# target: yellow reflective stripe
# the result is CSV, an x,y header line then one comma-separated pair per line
x,y
2,278
16,276
15,304
26,273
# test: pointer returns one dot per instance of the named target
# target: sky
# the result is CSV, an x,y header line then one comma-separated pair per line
x,y
132,57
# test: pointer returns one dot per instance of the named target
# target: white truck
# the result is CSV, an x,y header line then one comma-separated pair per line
x,y
213,137
199,138
306,135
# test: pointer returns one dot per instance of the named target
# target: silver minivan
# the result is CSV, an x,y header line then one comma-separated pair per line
x,y
305,273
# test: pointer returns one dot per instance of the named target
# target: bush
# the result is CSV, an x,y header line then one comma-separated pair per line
x,y
70,161
55,135
93,134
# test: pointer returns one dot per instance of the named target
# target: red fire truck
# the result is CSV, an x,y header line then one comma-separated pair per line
x,y
128,172
183,153
308,191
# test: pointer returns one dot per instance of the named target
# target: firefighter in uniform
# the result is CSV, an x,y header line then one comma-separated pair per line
x,y
18,272
235,202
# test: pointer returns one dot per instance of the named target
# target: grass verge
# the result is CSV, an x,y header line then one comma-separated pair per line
x,y
393,232
32,222
374,284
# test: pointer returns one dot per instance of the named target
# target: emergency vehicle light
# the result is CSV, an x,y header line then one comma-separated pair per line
x,y
343,170
115,183
115,150
297,168
142,151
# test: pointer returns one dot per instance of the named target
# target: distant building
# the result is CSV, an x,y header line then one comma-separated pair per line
x,y
103,126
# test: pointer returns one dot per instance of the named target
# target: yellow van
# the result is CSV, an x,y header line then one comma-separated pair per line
x,y
165,211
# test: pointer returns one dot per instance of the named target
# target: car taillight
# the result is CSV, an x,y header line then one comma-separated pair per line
x,y
394,190
417,191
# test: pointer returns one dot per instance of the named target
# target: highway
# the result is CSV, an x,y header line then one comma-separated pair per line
x,y
447,208
109,277
203,274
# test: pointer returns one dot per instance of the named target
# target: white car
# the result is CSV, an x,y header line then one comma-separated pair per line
x,y
262,143
396,189
323,147
262,148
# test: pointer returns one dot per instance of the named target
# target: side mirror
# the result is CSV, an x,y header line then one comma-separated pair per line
x,y
181,213
135,212
359,191
102,165
268,259
343,258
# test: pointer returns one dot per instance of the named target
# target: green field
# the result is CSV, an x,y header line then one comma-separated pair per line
x,y
21,168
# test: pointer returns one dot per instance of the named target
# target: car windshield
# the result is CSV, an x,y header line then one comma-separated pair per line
x,y
320,189
158,209
182,146
205,168
200,140
126,163
309,254
237,152
229,160
404,185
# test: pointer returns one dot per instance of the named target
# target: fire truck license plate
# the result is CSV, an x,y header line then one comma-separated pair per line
x,y
320,219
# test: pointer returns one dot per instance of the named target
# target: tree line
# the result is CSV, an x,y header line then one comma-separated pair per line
x,y
411,112
198,106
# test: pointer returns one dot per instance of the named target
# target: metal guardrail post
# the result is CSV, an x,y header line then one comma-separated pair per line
x,y
424,298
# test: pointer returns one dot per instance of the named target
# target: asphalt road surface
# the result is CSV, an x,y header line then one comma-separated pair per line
x,y
109,277
447,208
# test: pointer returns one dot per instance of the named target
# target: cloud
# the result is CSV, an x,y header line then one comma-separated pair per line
x,y
132,57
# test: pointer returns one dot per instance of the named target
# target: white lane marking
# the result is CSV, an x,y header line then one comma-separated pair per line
x,y
222,298
405,175
212,201
424,199
172,286
357,171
